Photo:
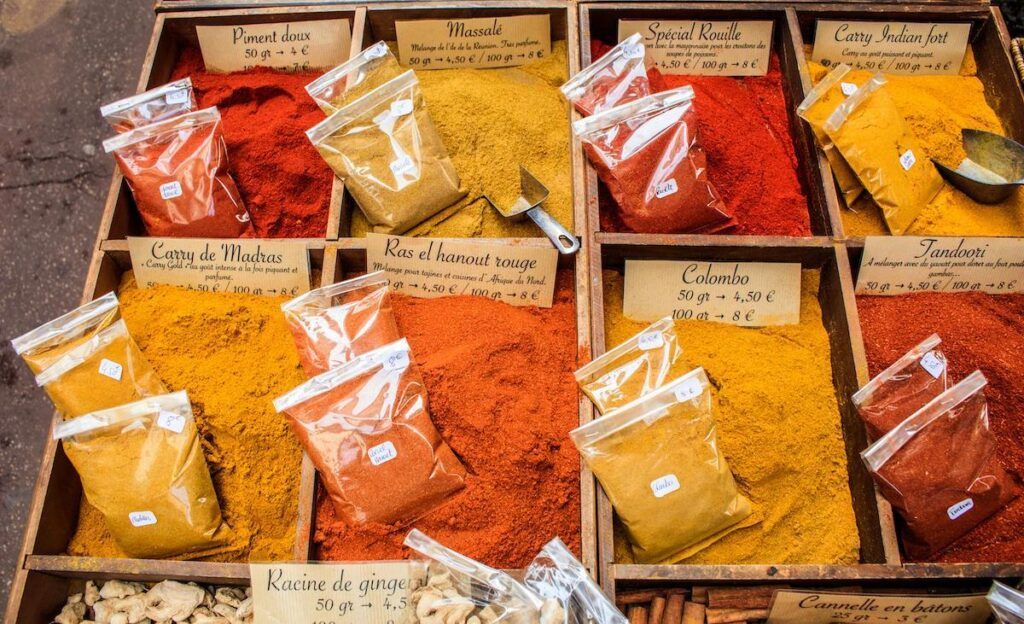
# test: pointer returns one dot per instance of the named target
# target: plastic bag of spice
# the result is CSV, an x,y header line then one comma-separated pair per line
x,y
555,574
1007,603
816,108
104,371
939,470
366,427
172,99
648,154
177,170
49,342
616,78
142,467
632,369
880,146
659,463
354,78
903,388
335,324
386,148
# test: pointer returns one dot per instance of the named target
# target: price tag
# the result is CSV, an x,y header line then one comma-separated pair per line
x,y
250,266
898,265
171,421
931,363
289,46
110,368
649,341
522,275
892,47
353,593
750,294
705,48
141,518
805,607
663,486
689,390
474,42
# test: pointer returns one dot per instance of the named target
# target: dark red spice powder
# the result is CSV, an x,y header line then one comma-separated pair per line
x,y
979,332
501,392
285,184
744,128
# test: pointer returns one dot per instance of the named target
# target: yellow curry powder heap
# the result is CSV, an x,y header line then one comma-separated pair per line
x,y
234,355
491,121
779,427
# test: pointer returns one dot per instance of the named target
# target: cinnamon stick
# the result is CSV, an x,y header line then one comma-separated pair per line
x,y
674,609
699,595
693,613
637,615
639,596
731,616
657,610
750,597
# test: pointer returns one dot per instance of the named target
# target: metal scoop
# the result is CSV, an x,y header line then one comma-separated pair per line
x,y
531,195
999,155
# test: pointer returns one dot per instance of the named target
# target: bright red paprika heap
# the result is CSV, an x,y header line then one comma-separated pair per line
x,y
744,129
285,184
981,332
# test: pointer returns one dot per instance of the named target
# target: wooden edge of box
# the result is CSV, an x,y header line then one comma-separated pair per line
x,y
138,569
774,573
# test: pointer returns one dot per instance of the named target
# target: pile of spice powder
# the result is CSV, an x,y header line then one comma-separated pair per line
x,y
744,129
491,121
937,109
234,355
502,394
779,430
979,332
285,184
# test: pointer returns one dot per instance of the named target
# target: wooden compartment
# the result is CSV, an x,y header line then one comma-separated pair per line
x,y
599,20
171,33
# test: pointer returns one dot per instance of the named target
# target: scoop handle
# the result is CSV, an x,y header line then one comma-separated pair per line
x,y
563,239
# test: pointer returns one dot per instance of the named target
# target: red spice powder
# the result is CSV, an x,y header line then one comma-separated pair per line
x,y
744,129
979,332
285,184
501,391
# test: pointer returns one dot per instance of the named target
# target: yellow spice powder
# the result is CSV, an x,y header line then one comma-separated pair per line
x,y
234,355
491,121
779,427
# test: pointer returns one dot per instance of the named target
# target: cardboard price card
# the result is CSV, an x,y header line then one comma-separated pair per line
x,y
522,275
750,294
804,607
898,265
892,47
474,42
708,48
289,46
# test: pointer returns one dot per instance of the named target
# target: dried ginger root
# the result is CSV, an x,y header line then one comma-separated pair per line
x,y
118,602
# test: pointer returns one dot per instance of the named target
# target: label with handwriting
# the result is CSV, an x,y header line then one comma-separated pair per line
x,y
892,47
353,593
474,42
289,46
249,266
898,265
807,607
522,275
705,48
750,294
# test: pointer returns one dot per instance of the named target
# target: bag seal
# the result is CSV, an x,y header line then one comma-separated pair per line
x,y
850,104
377,278
876,382
601,361
354,109
81,353
820,89
373,52
175,402
654,103
587,73
145,96
194,119
73,320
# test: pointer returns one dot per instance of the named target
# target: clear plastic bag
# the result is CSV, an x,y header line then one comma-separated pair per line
x,y
44,345
616,78
354,78
386,148
106,370
163,102
939,469
903,388
458,589
648,154
335,324
659,463
367,429
556,575
632,369
1007,603
881,147
178,172
142,467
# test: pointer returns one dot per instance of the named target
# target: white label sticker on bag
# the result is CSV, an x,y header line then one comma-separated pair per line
x,y
171,421
178,96
401,107
398,360
651,340
381,453
376,51
931,363
960,508
663,486
848,88
907,159
141,518
402,165
170,190
111,369
666,188
633,51
689,390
